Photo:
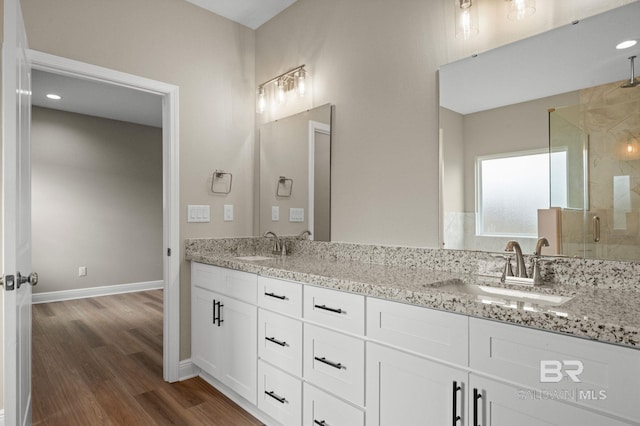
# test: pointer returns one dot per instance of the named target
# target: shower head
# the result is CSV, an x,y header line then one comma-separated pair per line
x,y
633,82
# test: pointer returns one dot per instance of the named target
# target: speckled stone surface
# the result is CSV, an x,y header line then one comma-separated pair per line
x,y
605,304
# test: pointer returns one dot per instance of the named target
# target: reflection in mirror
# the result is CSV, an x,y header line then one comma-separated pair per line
x,y
295,174
546,150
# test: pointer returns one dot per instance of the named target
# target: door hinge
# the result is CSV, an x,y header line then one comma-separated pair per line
x,y
8,282
168,252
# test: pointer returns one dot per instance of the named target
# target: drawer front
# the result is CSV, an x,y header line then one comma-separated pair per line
x,y
425,331
284,297
280,341
552,362
239,285
336,309
334,362
279,395
321,408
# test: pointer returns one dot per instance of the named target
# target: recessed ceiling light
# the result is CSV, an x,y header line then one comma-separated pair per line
x,y
626,44
54,96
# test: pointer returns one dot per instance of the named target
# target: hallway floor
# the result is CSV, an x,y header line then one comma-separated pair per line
x,y
99,361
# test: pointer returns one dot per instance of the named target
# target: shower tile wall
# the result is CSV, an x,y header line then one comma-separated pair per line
x,y
611,117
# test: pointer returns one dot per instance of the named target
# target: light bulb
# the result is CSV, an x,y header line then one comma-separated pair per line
x,y
520,9
629,147
280,95
466,19
302,82
262,100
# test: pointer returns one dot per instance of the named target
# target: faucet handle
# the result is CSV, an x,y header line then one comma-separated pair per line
x,y
507,271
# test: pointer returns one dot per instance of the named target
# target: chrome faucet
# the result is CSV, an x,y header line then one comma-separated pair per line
x,y
535,262
521,270
304,235
278,246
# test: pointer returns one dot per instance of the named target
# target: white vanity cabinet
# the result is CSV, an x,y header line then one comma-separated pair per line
x,y
224,327
301,354
494,403
411,388
404,389
558,377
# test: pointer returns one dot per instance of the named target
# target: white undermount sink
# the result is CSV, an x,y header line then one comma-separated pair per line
x,y
254,258
537,298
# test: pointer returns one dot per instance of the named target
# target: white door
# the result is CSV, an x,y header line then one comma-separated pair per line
x,y
16,217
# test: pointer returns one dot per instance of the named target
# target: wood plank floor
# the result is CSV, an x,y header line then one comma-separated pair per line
x,y
99,361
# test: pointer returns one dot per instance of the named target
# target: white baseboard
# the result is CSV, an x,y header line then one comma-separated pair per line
x,y
243,403
82,293
187,370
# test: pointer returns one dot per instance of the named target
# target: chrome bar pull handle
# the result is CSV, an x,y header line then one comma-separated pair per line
x,y
455,417
596,229
326,308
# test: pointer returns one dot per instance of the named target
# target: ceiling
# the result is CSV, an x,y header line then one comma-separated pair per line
x,y
95,98
567,58
250,13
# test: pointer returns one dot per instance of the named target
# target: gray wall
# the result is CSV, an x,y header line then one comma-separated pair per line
x,y
210,58
96,199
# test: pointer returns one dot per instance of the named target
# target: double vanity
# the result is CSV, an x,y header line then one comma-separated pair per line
x,y
346,334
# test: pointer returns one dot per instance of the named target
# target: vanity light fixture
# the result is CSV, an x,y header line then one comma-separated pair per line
x,y
466,19
53,96
626,44
279,87
520,9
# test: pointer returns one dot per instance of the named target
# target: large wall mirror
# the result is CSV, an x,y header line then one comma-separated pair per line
x,y
295,174
539,139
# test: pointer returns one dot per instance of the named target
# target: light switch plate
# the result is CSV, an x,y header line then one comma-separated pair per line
x,y
275,213
198,213
82,271
296,215
228,212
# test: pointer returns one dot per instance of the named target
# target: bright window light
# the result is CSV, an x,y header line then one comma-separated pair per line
x,y
510,190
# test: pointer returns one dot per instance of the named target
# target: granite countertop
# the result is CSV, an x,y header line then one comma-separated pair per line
x,y
606,315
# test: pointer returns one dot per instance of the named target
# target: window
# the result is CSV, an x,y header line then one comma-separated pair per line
x,y
510,190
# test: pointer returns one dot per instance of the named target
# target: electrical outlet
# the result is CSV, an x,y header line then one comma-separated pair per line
x,y
82,271
275,213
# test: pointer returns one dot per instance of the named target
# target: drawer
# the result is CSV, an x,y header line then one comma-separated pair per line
x,y
607,382
336,309
237,284
279,395
280,341
425,331
334,362
284,297
320,408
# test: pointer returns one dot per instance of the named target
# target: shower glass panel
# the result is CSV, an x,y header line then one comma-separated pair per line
x,y
569,165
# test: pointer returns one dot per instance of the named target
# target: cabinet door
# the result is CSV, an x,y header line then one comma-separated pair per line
x,y
206,350
404,389
239,344
506,405
322,409
280,341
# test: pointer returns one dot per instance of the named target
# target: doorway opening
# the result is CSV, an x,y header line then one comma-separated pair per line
x,y
115,80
